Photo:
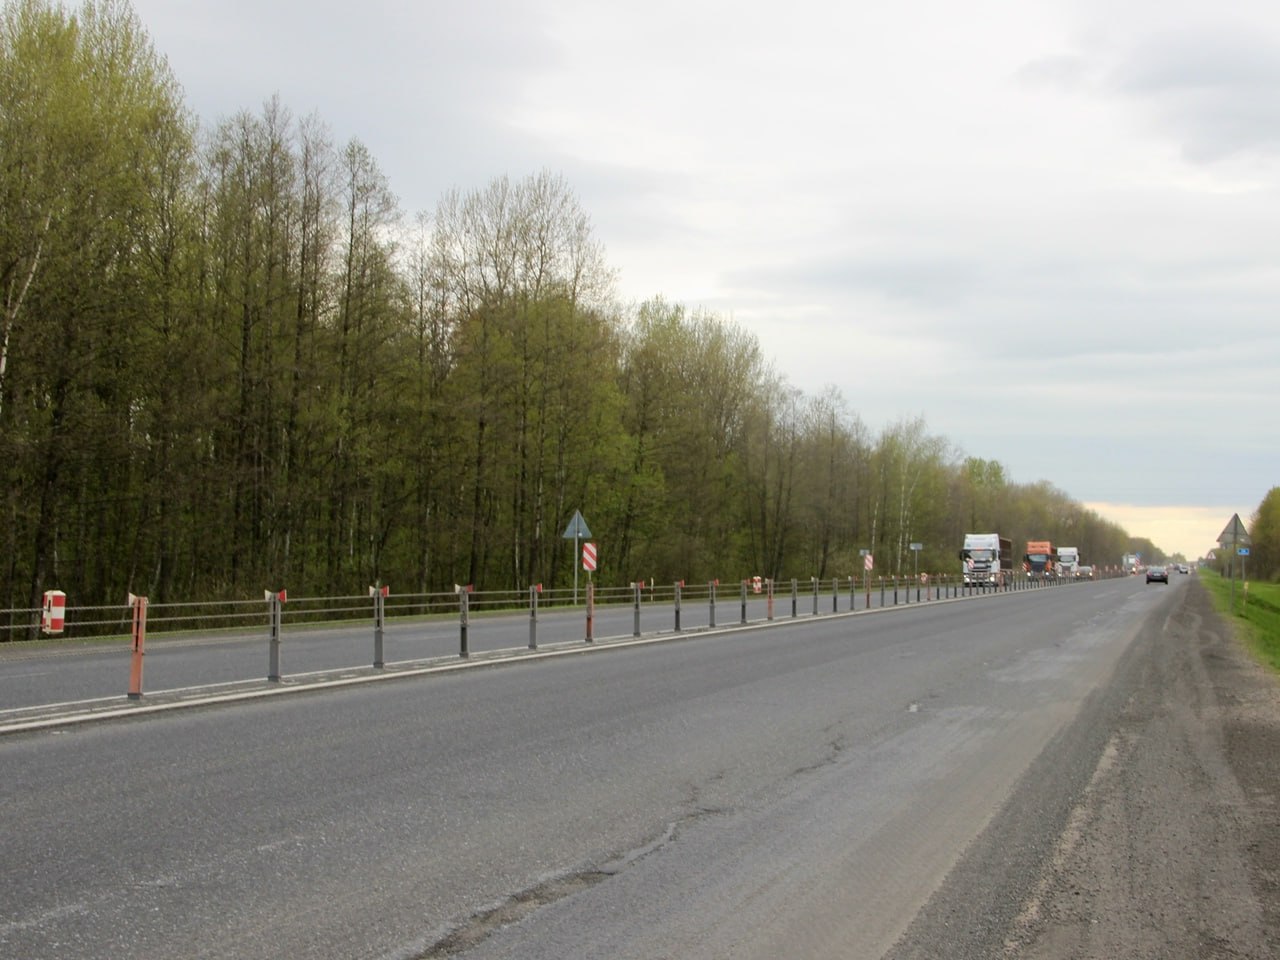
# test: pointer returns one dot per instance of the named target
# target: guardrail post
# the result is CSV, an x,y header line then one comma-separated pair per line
x,y
895,590
591,610
534,590
274,603
464,609
816,587
744,602
679,583
379,594
139,605
769,601
637,588
711,601
795,595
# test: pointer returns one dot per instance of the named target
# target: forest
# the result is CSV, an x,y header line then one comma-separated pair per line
x,y
230,362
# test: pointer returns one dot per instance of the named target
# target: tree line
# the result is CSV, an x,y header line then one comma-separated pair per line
x,y
1264,533
228,361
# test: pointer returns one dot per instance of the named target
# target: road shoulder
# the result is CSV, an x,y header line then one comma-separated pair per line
x,y
1171,850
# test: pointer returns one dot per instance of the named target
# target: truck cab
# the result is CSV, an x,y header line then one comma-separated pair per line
x,y
1039,559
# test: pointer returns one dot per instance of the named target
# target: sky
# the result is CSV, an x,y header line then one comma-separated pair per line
x,y
1049,228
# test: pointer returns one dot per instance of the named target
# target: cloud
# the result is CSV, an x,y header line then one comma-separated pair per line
x,y
1214,89
1065,72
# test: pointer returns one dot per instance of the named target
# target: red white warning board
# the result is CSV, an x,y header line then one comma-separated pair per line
x,y
867,562
588,556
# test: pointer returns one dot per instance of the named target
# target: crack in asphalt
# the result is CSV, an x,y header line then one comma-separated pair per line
x,y
486,922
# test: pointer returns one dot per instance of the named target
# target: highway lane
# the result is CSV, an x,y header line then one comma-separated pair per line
x,y
794,791
39,674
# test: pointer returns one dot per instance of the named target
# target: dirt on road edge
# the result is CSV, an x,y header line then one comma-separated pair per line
x,y
1173,850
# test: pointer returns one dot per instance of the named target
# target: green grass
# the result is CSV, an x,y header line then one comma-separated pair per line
x,y
1257,614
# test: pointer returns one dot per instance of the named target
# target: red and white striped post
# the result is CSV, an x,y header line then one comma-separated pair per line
x,y
53,616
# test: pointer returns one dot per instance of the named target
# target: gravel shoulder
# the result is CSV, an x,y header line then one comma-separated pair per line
x,y
1174,847
1149,830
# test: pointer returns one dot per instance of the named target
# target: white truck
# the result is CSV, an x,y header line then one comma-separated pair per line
x,y
1069,562
986,558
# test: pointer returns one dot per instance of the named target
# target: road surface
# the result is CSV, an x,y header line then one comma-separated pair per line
x,y
969,779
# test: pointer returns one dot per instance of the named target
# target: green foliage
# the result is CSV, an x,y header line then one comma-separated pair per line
x,y
1264,531
1257,613
227,364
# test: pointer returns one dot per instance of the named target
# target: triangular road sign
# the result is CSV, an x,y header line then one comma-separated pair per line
x,y
1234,532
577,528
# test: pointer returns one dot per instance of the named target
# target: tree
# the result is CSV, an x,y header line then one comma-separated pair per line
x,y
909,464
91,120
523,288
1264,531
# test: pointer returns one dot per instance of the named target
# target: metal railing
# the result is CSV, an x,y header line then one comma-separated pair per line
x,y
785,598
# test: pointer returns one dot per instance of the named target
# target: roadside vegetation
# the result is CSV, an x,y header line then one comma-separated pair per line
x,y
229,362
1257,612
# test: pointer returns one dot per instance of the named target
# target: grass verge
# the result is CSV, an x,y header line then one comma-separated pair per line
x,y
1257,613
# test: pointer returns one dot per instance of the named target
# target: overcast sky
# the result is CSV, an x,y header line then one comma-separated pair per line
x,y
1051,228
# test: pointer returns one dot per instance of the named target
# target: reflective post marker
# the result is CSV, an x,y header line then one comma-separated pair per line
x,y
379,594
139,605
464,606
275,600
533,615
637,588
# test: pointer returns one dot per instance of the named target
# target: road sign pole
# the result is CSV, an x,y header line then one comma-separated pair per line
x,y
575,531
1234,539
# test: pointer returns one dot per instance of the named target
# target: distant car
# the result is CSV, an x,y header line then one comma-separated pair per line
x,y
1157,573
1085,572
1183,568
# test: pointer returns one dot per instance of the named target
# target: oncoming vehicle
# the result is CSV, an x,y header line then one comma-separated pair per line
x,y
986,558
1084,572
1160,574
1040,560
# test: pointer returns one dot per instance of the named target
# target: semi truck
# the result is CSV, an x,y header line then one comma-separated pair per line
x,y
1039,559
1130,562
986,558
1069,562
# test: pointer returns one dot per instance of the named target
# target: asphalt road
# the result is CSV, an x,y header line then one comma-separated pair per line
x,y
797,791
